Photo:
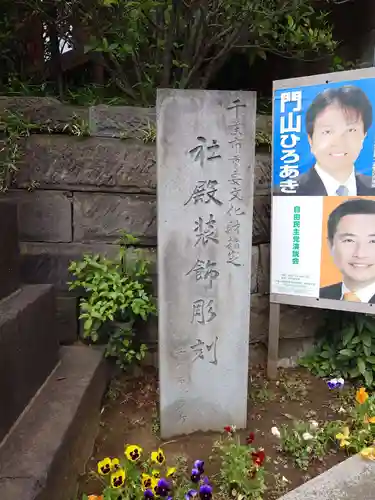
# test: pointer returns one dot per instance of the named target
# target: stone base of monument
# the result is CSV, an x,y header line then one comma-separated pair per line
x,y
46,451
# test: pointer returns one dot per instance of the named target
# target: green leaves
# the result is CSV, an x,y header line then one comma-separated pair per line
x,y
350,351
185,44
114,290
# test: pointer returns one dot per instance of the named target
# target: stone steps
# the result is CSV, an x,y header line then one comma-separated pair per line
x,y
47,448
9,251
29,348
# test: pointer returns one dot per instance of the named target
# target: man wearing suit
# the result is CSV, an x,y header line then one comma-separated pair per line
x,y
351,238
337,122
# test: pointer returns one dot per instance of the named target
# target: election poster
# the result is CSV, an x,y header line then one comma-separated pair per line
x,y
323,187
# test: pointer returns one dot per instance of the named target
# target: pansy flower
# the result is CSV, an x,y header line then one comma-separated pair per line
x,y
306,436
275,432
205,492
369,420
148,494
250,438
154,486
336,383
195,475
146,481
361,396
158,457
368,453
115,464
156,473
118,478
95,497
171,471
343,437
199,464
191,494
258,457
133,452
163,487
104,466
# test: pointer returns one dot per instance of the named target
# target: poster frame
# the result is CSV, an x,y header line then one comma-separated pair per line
x,y
277,299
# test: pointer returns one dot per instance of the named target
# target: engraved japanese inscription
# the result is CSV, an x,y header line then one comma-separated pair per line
x,y
205,156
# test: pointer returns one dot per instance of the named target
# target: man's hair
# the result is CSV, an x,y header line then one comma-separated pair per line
x,y
350,207
347,97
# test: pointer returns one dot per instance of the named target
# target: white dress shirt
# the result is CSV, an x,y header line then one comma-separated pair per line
x,y
332,184
364,294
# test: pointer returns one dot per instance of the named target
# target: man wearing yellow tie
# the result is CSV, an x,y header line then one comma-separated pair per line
x,y
351,238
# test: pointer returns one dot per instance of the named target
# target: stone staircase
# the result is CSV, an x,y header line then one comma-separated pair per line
x,y
50,396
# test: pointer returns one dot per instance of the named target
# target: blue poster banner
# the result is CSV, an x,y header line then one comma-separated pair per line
x,y
324,139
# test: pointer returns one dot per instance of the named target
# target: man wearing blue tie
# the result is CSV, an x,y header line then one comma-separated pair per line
x,y
337,122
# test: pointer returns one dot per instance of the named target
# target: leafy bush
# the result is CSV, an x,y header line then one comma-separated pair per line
x,y
241,473
346,348
117,293
307,441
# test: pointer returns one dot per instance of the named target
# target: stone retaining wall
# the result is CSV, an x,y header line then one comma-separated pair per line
x,y
90,188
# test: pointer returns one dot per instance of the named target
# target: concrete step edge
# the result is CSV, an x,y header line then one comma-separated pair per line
x,y
46,451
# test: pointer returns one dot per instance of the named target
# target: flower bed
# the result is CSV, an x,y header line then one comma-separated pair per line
x,y
298,427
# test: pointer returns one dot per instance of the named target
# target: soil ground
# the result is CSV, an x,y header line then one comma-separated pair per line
x,y
130,416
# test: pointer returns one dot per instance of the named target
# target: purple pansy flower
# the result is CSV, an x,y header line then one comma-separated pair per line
x,y
195,475
163,488
191,494
199,465
148,494
336,383
205,492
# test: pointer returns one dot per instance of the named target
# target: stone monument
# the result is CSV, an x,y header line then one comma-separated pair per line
x,y
205,166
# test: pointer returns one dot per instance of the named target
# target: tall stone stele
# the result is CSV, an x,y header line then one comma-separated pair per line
x,y
205,166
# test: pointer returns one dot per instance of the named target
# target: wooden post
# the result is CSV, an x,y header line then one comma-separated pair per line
x,y
273,340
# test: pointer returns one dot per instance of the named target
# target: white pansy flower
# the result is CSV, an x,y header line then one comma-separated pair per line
x,y
275,432
306,436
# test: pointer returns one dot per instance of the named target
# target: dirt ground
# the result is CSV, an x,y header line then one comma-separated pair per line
x,y
130,416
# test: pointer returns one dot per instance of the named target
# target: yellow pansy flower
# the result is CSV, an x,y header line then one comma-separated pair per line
x,y
361,396
133,452
118,478
343,437
156,473
154,486
146,480
171,471
115,464
368,453
158,457
104,466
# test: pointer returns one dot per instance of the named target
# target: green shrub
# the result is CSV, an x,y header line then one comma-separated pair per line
x,y
117,292
345,348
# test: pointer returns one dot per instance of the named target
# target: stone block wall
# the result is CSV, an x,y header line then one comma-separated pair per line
x,y
90,188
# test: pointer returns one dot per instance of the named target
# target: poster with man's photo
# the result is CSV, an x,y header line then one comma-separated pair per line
x,y
323,207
